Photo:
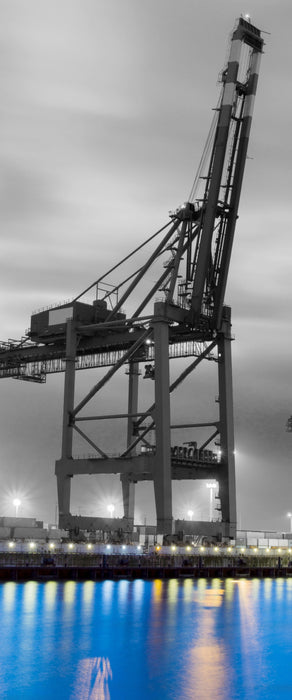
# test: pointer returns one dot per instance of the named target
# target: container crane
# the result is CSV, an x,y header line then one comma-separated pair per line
x,y
189,320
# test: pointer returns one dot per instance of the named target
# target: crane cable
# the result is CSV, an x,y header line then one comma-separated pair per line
x,y
206,152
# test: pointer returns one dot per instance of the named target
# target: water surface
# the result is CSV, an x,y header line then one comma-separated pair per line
x,y
166,640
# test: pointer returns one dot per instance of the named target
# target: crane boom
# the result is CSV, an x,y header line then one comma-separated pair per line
x,y
224,179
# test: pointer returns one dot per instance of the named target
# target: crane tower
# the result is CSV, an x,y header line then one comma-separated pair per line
x,y
131,325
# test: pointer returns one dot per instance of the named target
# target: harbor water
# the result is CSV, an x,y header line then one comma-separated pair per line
x,y
177,639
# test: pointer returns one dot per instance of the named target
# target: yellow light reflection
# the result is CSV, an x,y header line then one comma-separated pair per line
x,y
93,676
210,597
69,592
208,661
202,585
50,594
172,590
157,590
229,589
30,597
9,595
188,589
87,591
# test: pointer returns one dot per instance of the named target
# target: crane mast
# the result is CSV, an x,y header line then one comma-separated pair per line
x,y
189,320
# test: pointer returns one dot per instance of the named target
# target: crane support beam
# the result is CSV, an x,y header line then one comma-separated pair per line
x,y
237,179
128,487
162,474
227,493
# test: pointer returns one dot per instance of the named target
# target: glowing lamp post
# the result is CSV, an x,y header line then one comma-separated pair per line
x,y
289,515
111,509
17,504
190,514
212,486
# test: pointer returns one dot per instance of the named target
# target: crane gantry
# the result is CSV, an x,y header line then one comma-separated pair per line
x,y
190,259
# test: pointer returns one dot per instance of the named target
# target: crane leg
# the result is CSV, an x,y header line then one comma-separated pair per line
x,y
64,480
162,471
128,487
227,493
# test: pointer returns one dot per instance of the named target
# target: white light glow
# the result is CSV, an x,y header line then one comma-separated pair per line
x,y
17,503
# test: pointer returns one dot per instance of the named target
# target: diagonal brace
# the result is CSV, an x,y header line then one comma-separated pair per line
x,y
110,373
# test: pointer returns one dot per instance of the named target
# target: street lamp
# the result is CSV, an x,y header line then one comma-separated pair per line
x,y
17,504
289,515
190,514
212,485
111,509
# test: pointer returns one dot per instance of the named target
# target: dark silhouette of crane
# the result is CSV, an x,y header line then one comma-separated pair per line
x,y
190,262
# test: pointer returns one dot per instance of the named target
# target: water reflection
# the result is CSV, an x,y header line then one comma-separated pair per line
x,y
69,592
207,662
107,595
9,591
88,593
138,590
123,590
172,591
161,639
92,680
188,590
50,595
30,599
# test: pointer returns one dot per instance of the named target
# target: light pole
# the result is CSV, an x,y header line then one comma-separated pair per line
x,y
111,509
289,515
212,485
190,514
17,504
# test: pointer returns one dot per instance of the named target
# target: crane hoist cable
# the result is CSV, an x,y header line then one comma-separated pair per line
x,y
127,257
205,154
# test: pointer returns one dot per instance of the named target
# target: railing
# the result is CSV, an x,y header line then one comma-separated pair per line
x,y
101,359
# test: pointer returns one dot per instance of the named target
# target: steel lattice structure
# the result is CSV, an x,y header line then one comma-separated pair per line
x,y
190,261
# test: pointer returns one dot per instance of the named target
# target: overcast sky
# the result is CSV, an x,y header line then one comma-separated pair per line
x,y
105,108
